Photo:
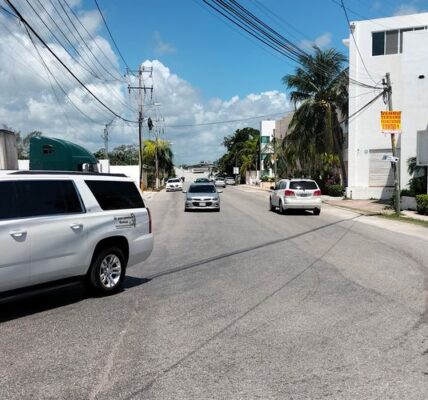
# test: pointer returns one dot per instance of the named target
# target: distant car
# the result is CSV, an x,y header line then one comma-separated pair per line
x,y
229,180
301,194
202,196
202,180
174,184
220,182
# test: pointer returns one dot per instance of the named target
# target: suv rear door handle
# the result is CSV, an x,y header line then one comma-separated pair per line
x,y
18,234
76,227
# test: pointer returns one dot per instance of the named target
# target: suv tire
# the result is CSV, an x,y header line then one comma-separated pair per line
x,y
281,208
317,211
107,271
271,206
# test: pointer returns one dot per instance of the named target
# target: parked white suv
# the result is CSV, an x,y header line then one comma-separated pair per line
x,y
60,225
302,194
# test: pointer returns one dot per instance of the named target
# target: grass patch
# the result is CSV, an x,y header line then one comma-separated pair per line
x,y
401,218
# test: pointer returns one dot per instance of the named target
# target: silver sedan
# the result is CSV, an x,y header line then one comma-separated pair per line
x,y
202,196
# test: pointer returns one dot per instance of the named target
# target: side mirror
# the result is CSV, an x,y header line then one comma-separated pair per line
x,y
219,191
272,188
184,191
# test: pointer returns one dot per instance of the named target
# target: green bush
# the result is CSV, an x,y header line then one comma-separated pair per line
x,y
407,192
335,190
264,178
422,204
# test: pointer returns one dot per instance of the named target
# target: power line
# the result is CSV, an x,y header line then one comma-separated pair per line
x,y
355,42
230,121
87,32
87,50
111,36
24,21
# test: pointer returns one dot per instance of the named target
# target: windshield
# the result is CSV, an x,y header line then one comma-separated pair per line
x,y
303,185
173,180
219,179
202,189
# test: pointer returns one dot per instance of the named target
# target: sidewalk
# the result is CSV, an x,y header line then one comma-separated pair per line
x,y
364,207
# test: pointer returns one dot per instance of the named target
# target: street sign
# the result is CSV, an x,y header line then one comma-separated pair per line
x,y
387,157
235,170
390,121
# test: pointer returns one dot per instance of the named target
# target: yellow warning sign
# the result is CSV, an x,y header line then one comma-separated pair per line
x,y
390,121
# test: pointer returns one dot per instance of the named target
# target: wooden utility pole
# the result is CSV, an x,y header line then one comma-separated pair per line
x,y
141,88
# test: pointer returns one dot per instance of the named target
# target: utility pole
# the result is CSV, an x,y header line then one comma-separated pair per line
x,y
394,164
105,138
142,70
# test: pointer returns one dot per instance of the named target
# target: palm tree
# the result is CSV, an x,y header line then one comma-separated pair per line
x,y
320,93
158,154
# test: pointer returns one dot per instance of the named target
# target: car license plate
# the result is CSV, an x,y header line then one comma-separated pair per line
x,y
304,194
202,204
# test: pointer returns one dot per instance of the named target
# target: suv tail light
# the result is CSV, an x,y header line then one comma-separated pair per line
x,y
317,193
289,193
150,220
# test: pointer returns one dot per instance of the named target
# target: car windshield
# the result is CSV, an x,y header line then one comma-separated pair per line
x,y
303,185
219,179
202,180
173,180
202,189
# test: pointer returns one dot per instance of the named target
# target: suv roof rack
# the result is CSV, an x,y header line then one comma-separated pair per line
x,y
35,172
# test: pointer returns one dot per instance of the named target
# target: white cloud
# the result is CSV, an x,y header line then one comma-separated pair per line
x,y
28,103
161,47
322,41
407,9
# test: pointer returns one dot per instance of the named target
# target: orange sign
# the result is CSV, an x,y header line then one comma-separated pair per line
x,y
390,121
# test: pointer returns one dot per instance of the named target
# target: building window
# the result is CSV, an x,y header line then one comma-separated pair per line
x,y
265,139
390,42
378,43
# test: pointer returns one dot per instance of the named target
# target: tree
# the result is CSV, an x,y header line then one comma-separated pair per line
x,y
125,154
320,91
159,157
242,151
23,143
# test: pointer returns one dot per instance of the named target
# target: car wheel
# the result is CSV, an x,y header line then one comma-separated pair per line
x,y
271,206
281,208
107,271
317,211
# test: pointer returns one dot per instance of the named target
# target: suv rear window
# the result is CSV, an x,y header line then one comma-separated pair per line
x,y
36,198
303,185
116,195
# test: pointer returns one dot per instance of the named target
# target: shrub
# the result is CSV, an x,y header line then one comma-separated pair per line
x,y
335,190
264,178
422,204
407,192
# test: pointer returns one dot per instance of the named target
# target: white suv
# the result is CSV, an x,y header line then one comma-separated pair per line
x,y
302,194
61,225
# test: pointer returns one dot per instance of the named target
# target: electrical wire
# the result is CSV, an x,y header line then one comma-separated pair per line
x,y
355,41
238,15
230,121
25,22
76,17
110,34
57,82
87,50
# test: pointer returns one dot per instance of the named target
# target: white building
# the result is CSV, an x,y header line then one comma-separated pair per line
x,y
397,45
267,131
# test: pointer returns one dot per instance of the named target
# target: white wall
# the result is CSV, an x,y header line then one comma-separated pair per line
x,y
409,95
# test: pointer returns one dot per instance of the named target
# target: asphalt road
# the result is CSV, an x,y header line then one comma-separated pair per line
x,y
241,304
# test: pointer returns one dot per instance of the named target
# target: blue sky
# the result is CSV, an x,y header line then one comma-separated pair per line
x,y
205,70
220,60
